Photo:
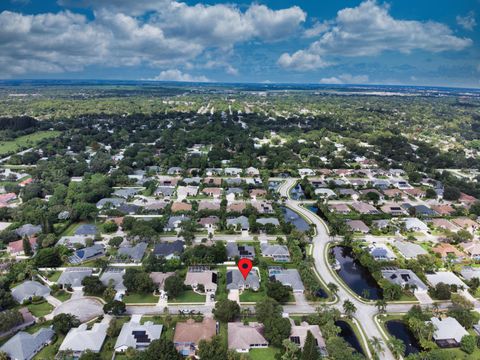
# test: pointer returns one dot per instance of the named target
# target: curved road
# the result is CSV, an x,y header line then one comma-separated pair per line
x,y
365,312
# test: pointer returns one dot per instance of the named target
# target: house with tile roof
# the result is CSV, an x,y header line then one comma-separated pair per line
x,y
243,337
189,334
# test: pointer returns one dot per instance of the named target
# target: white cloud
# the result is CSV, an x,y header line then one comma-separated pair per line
x,y
468,21
317,29
168,33
369,30
177,75
345,79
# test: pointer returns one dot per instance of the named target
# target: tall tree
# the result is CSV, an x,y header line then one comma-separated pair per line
x,y
310,349
27,247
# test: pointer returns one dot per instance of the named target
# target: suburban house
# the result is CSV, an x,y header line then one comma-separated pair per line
x,y
72,241
415,224
186,191
466,224
393,209
235,280
298,335
325,193
242,338
24,346
409,250
159,278
448,332
108,203
28,230
80,339
73,277
175,223
137,336
236,207
181,206
89,253
169,250
472,249
213,191
114,277
209,223
278,253
165,191
198,275
381,252
288,277
15,248
406,278
364,208
445,277
357,226
240,224
235,250
445,250
209,205
133,253
468,272
189,334
339,208
444,224
306,172
86,230
28,289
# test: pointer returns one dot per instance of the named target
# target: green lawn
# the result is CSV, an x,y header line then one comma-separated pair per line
x,y
188,296
62,295
252,296
107,349
39,310
23,142
140,298
49,352
263,354
54,276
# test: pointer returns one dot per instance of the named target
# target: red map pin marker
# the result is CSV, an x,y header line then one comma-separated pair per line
x,y
245,265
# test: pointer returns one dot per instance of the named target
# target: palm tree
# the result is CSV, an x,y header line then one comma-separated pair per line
x,y
333,288
377,345
349,308
381,305
397,347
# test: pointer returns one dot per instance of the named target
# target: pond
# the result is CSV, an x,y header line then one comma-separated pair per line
x,y
296,220
356,276
321,293
297,193
348,335
401,331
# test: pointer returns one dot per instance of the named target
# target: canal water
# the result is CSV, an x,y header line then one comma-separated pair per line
x,y
349,336
356,276
297,193
401,331
296,220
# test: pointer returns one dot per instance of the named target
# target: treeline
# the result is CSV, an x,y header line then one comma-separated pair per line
x,y
17,123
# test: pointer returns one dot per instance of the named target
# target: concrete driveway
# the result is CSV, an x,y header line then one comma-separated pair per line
x,y
84,308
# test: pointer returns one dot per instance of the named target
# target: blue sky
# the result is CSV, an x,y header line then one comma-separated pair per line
x,y
340,42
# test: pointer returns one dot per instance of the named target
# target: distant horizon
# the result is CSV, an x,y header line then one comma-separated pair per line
x,y
200,83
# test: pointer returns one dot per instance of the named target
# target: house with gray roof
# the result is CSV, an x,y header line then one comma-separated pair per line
x,y
80,339
243,337
89,253
240,223
235,250
169,250
409,250
277,252
28,230
175,222
165,190
298,335
174,170
380,252
235,280
24,346
71,241
192,180
405,278
231,171
468,272
134,253
114,277
234,190
28,289
288,277
73,277
126,192
448,332
110,203
137,336
86,230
